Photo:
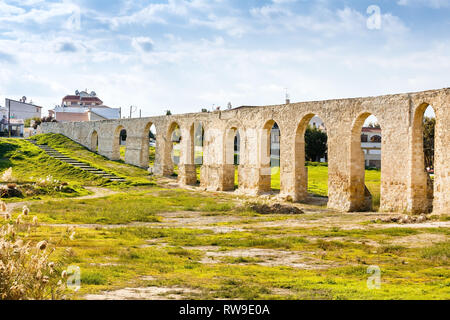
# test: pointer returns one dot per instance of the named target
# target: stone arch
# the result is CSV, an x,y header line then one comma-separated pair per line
x,y
359,196
144,150
231,132
421,186
94,141
265,155
197,136
300,169
173,148
115,154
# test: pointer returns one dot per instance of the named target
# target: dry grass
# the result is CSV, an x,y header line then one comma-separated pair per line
x,y
26,269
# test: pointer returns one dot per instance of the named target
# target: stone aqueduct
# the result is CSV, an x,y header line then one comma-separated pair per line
x,y
403,179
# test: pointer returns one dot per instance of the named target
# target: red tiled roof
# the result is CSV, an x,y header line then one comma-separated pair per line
x,y
83,99
372,130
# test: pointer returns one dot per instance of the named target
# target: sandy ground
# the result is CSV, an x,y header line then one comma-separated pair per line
x,y
147,293
97,193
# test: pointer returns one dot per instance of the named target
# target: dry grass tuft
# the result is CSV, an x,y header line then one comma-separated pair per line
x,y
8,175
26,271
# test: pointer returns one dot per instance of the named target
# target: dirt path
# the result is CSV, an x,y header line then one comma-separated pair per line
x,y
97,193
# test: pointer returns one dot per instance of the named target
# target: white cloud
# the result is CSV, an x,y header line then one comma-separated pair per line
x,y
425,3
143,44
39,15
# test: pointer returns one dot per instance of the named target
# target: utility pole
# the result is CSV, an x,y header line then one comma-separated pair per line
x,y
132,110
9,118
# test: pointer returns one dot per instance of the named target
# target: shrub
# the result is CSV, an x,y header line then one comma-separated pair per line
x,y
26,271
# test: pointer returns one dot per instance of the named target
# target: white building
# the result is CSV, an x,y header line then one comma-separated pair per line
x,y
15,113
371,146
83,106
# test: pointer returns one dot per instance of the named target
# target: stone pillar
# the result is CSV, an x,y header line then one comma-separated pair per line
x,y
105,146
133,151
163,162
254,173
441,203
294,181
211,175
187,174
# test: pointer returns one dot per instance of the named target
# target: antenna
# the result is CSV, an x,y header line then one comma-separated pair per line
x,y
288,99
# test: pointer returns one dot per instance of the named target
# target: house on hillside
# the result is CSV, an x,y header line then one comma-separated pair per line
x,y
83,106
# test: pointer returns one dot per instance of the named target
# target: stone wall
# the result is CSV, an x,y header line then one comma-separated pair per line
x,y
403,179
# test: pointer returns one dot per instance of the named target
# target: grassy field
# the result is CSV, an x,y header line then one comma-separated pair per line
x,y
207,245
175,250
318,181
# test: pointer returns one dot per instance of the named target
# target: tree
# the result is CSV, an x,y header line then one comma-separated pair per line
x,y
429,125
375,125
27,122
315,144
168,113
38,121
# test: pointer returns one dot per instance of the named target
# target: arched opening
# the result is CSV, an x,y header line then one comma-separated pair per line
x,y
152,145
198,134
123,143
118,147
366,165
423,162
232,158
175,147
237,158
270,157
148,149
94,141
311,158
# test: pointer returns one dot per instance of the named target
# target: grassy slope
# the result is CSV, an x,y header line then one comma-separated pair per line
x,y
29,164
134,175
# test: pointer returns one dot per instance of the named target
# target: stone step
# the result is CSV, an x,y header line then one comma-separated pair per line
x,y
77,164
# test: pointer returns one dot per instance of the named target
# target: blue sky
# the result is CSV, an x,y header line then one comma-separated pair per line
x,y
187,55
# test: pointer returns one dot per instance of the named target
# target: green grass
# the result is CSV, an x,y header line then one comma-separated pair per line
x,y
116,258
123,208
318,181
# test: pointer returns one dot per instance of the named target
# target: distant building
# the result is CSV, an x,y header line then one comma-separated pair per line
x,y
17,112
83,106
371,146
316,122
